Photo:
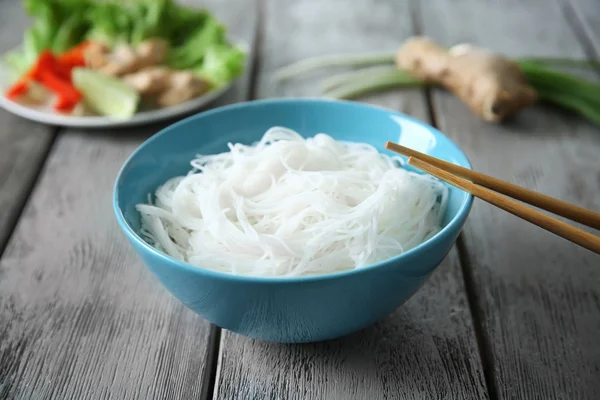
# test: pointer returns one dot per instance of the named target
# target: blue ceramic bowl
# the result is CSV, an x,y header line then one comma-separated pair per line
x,y
291,310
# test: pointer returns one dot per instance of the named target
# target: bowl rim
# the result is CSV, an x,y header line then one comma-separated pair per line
x,y
429,244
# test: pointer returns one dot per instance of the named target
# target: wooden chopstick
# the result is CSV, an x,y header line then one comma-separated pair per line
x,y
570,211
575,235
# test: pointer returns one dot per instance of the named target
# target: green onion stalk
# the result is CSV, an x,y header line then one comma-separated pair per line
x,y
553,86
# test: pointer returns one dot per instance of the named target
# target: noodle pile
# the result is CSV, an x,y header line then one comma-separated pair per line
x,y
289,206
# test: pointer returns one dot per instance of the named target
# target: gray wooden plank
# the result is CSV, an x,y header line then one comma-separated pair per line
x,y
426,349
81,317
588,13
539,294
23,144
72,293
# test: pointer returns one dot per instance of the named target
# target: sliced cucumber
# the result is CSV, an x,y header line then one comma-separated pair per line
x,y
105,94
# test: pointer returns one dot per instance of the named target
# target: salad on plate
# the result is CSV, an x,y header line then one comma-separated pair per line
x,y
117,58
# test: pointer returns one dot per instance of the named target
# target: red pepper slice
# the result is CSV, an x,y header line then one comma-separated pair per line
x,y
54,73
64,104
60,87
44,61
75,57
17,89
68,95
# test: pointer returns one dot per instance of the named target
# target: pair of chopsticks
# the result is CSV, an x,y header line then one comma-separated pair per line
x,y
479,185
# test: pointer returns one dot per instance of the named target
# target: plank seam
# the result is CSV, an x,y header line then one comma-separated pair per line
x,y
257,48
213,364
483,344
13,221
212,360
417,28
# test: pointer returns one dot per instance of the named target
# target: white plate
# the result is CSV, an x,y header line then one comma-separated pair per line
x,y
45,114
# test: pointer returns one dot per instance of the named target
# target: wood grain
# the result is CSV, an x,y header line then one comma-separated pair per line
x,y
539,297
23,144
81,317
426,349
84,318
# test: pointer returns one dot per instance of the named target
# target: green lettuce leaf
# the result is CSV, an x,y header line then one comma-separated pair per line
x,y
191,52
222,64
198,40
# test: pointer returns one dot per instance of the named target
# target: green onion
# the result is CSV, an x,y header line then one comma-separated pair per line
x,y
376,81
336,60
564,90
563,62
366,73
560,81
571,103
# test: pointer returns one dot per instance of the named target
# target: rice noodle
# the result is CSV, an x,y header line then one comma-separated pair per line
x,y
289,206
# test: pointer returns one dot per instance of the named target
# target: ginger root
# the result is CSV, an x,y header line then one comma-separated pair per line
x,y
491,85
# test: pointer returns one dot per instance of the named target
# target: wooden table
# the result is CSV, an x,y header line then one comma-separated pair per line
x,y
513,312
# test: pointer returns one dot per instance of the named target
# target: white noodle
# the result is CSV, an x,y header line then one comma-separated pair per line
x,y
289,206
